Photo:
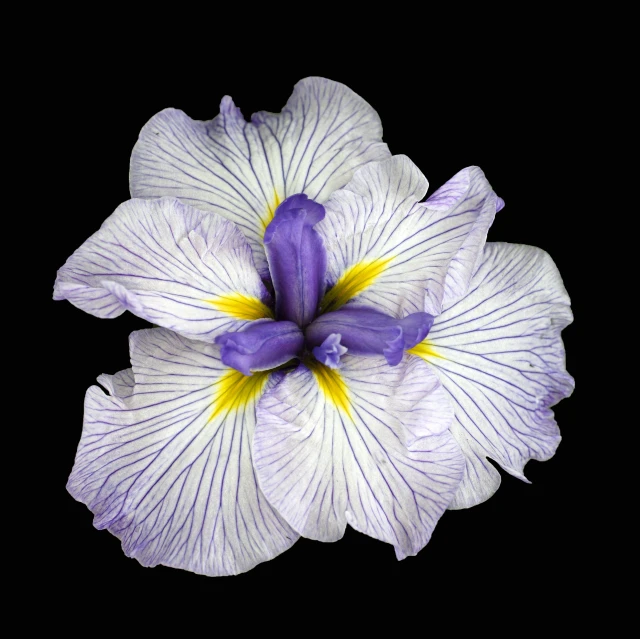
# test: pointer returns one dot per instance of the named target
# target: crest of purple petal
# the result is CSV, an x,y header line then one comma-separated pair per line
x,y
330,351
262,346
365,332
297,259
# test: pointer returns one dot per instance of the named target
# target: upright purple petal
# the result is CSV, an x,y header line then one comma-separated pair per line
x,y
297,259
262,346
365,331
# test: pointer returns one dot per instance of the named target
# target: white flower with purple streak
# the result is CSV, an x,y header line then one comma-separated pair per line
x,y
332,351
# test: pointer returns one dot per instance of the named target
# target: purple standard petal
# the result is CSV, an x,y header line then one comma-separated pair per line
x,y
297,259
262,346
365,331
330,351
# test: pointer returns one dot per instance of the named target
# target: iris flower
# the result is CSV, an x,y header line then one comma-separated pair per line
x,y
331,349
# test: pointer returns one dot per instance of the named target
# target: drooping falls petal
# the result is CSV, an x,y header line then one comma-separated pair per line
x,y
170,264
262,346
365,331
499,354
165,463
297,259
244,170
367,445
389,251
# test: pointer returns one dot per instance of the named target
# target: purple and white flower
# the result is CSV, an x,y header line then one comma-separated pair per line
x,y
332,351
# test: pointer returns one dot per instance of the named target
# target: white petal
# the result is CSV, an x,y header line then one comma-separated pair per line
x,y
387,250
119,385
166,465
244,170
366,445
175,266
499,354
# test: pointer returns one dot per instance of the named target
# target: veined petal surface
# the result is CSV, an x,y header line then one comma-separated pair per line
x,y
391,252
262,346
365,331
499,354
170,264
467,190
366,445
119,385
166,465
243,170
297,259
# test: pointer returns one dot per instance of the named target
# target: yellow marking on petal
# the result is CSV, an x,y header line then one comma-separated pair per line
x,y
235,391
426,350
353,281
241,306
271,210
331,384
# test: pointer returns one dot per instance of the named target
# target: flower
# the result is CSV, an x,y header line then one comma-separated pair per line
x,y
332,349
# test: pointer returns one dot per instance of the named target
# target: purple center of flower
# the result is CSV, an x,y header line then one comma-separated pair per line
x,y
297,264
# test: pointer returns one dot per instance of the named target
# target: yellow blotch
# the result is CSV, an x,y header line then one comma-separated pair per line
x,y
241,306
331,384
426,350
271,210
353,281
235,391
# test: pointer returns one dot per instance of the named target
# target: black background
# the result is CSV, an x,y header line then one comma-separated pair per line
x,y
512,115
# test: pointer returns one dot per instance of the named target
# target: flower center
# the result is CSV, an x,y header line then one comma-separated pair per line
x,y
297,264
